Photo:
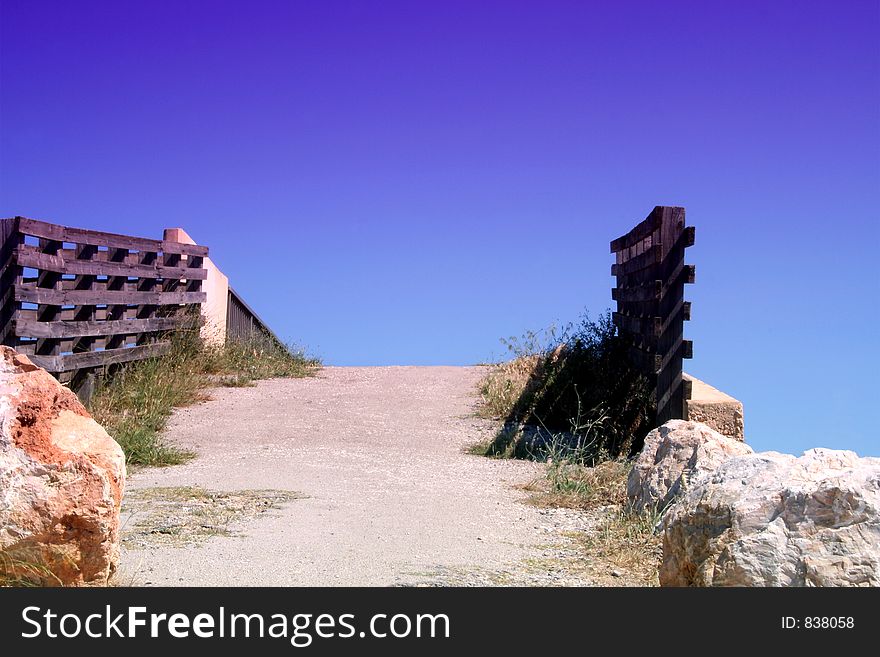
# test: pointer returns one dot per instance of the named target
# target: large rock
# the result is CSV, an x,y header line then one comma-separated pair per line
x,y
674,454
61,481
772,519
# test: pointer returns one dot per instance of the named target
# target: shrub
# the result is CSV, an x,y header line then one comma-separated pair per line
x,y
577,394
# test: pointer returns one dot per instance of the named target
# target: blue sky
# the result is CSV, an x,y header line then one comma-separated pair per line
x,y
406,183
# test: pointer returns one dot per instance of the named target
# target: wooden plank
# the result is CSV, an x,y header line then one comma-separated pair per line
x,y
185,249
52,297
684,275
687,388
30,256
120,283
674,318
646,326
674,256
640,232
670,402
60,233
645,361
639,308
100,238
679,350
647,292
68,362
671,226
68,329
645,260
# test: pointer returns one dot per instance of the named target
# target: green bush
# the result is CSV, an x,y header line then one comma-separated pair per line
x,y
584,400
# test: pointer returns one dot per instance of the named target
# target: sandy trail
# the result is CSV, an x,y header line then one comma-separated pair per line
x,y
392,497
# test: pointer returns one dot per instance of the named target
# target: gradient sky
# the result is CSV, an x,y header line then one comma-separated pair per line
x,y
406,182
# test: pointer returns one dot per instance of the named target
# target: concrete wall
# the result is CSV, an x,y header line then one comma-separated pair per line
x,y
216,288
715,408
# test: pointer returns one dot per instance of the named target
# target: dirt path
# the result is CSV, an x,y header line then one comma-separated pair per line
x,y
368,484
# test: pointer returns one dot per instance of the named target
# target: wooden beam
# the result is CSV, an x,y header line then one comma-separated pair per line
x,y
644,260
68,362
69,329
50,297
640,232
645,361
647,292
59,233
30,256
645,326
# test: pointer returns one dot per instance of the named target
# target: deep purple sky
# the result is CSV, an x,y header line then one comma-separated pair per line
x,y
407,182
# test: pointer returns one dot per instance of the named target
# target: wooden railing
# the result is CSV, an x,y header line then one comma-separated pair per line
x,y
73,299
243,324
651,309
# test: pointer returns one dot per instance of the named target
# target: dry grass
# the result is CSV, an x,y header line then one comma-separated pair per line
x,y
627,541
622,541
574,486
189,515
505,384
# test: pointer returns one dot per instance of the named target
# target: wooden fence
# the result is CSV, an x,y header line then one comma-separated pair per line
x,y
74,299
651,309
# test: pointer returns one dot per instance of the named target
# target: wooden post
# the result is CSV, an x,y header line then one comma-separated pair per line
x,y
651,310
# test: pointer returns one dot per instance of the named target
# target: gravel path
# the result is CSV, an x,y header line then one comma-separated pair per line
x,y
381,491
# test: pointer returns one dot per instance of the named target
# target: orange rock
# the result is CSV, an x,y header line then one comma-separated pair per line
x,y
61,480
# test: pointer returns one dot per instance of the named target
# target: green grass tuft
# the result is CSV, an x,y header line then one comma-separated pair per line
x,y
24,567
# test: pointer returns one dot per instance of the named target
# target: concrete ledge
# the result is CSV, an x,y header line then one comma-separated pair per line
x,y
715,409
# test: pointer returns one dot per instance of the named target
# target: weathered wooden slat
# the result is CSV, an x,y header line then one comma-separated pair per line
x,y
68,362
647,292
646,326
684,275
672,390
646,361
674,316
648,259
59,233
98,297
680,350
639,308
640,232
687,387
29,256
670,405
69,329
674,255
121,283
